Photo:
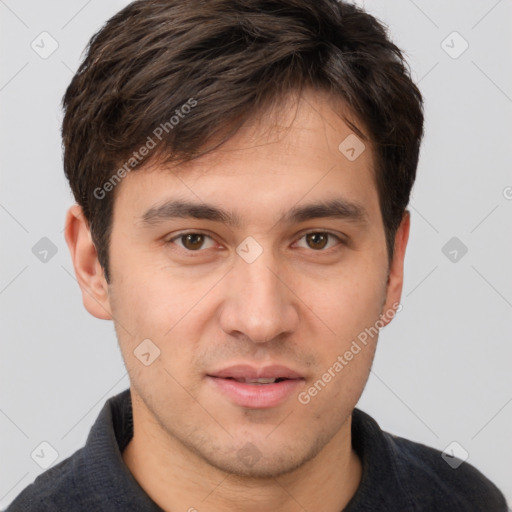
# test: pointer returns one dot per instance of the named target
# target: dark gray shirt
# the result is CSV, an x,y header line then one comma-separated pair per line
x,y
398,474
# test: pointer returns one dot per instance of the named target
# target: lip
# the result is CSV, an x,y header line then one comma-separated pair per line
x,y
241,371
256,396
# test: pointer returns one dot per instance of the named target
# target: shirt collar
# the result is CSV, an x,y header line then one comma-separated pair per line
x,y
109,477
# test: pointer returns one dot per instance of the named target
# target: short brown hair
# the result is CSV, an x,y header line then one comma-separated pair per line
x,y
234,58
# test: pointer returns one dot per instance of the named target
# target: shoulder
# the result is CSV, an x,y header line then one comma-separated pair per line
x,y
404,475
435,484
54,490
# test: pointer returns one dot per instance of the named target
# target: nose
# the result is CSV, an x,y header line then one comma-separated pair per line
x,y
259,304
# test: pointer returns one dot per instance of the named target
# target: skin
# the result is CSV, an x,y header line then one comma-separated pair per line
x,y
299,304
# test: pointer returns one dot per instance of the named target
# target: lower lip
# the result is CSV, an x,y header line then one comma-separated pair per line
x,y
256,396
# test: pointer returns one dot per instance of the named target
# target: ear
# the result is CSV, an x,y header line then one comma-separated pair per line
x,y
396,269
88,271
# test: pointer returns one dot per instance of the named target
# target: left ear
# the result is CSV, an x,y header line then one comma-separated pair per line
x,y
396,269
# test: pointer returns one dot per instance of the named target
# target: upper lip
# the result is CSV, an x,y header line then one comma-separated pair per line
x,y
245,371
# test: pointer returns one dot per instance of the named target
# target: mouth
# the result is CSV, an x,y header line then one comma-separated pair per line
x,y
256,388
263,380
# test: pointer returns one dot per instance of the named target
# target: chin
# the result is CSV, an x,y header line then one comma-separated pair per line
x,y
250,463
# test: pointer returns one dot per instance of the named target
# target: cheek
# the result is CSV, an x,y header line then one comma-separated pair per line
x,y
144,296
347,313
161,307
346,353
156,331
346,301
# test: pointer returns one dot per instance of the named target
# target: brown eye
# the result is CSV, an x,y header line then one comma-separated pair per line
x,y
192,241
317,240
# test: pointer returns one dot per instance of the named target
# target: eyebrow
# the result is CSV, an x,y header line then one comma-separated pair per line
x,y
338,208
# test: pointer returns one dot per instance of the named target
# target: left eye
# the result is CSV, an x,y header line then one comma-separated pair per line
x,y
316,240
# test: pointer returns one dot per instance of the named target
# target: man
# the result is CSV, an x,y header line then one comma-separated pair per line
x,y
242,171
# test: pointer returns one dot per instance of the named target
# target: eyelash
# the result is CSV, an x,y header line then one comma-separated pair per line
x,y
180,235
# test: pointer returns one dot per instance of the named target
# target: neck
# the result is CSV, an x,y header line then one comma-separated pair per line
x,y
177,479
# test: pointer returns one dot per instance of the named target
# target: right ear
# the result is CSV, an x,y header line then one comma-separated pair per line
x,y
88,271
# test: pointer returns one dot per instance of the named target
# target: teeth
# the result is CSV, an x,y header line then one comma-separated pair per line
x,y
257,381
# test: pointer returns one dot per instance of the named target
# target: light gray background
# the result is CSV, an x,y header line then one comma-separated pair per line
x,y
442,370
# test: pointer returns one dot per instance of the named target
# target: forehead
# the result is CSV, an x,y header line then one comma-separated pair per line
x,y
303,149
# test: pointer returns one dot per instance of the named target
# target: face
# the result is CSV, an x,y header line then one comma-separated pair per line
x,y
259,285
